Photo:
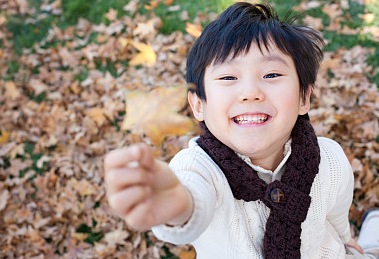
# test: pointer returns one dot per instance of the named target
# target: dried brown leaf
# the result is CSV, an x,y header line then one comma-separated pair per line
x,y
4,196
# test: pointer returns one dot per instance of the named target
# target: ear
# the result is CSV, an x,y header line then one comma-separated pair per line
x,y
305,105
197,106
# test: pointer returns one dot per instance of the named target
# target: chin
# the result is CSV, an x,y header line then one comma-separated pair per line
x,y
247,151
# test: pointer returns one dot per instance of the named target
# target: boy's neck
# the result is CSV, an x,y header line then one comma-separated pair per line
x,y
269,162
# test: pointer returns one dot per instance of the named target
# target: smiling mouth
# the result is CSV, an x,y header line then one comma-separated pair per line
x,y
249,119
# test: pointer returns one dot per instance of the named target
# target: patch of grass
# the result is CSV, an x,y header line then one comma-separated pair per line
x,y
168,255
26,34
93,10
373,7
171,19
92,237
282,7
30,154
109,66
13,68
38,98
82,74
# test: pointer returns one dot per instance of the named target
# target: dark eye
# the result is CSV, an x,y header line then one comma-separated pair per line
x,y
228,78
273,75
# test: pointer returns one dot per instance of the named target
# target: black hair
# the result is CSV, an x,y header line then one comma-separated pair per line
x,y
242,24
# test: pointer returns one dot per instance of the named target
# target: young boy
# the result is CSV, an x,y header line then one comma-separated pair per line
x,y
257,183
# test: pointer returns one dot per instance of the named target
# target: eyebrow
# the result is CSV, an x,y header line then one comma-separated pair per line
x,y
275,58
264,58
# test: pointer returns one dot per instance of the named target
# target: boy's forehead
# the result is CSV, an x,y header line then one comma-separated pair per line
x,y
261,55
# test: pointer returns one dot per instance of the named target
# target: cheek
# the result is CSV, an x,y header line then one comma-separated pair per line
x,y
287,100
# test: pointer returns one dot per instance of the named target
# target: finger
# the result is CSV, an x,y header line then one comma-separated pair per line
x,y
146,157
123,201
360,249
140,217
120,178
121,157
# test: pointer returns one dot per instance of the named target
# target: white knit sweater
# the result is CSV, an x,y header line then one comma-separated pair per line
x,y
223,227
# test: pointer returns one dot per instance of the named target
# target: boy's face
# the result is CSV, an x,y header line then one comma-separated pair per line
x,y
253,102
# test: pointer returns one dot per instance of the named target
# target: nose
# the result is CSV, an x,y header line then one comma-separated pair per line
x,y
250,91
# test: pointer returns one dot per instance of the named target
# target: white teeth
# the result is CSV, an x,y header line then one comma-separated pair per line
x,y
243,119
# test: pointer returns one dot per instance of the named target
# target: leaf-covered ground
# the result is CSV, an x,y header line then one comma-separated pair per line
x,y
62,107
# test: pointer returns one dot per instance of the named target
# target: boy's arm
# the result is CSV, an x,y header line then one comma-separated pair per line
x,y
143,190
338,216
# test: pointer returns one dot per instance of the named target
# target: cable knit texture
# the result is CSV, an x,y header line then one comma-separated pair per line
x,y
283,227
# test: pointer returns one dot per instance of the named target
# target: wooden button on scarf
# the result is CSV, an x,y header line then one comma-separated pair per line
x,y
277,195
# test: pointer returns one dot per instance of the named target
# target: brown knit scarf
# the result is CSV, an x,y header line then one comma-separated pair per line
x,y
287,199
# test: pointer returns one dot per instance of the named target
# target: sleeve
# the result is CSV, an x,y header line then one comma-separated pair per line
x,y
197,172
338,215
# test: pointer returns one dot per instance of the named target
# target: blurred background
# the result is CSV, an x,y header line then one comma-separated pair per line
x,y
79,78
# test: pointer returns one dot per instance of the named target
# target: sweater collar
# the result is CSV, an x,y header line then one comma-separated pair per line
x,y
278,170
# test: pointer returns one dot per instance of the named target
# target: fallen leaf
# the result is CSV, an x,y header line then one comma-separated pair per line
x,y
155,113
42,160
38,86
124,42
367,17
3,19
4,138
132,6
330,63
97,115
22,5
187,254
146,56
152,5
111,15
144,28
334,25
84,187
315,23
4,196
332,10
194,30
68,58
346,30
168,2
304,6
11,90
116,237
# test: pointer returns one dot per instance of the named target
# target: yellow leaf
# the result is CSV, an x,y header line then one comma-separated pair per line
x,y
146,56
194,30
168,2
153,4
4,138
124,42
155,113
367,17
187,255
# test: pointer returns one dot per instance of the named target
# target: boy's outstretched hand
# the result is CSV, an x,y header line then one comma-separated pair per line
x,y
143,190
